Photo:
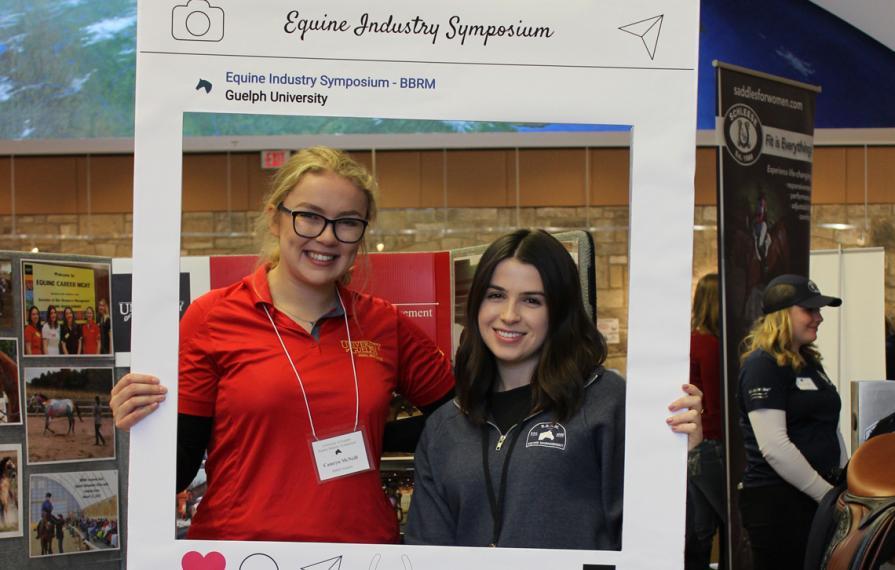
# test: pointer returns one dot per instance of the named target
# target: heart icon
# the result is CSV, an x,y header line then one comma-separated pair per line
x,y
193,560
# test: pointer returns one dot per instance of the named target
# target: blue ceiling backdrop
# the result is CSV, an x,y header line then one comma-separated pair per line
x,y
67,71
801,41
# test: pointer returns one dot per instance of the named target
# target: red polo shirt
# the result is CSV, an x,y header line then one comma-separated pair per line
x,y
90,334
262,483
34,339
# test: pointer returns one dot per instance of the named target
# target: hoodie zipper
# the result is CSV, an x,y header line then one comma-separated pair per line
x,y
502,437
496,499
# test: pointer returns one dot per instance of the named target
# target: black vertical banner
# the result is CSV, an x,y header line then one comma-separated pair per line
x,y
765,129
121,307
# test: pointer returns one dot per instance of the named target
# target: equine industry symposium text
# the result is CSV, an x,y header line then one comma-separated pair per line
x,y
417,26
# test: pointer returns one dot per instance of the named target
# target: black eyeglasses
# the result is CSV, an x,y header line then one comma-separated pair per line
x,y
310,225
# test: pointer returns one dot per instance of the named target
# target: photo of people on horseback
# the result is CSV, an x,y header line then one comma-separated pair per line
x,y
10,491
68,414
73,513
10,393
65,308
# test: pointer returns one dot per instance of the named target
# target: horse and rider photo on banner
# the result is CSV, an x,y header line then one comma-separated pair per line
x,y
68,414
73,513
10,490
10,392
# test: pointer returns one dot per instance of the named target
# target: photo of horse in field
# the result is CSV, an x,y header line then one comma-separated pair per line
x,y
55,408
58,399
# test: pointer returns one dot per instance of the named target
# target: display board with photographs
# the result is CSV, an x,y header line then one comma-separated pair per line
x,y
65,308
73,513
10,491
68,414
54,404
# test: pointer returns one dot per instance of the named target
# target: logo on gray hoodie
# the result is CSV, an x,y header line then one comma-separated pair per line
x,y
547,434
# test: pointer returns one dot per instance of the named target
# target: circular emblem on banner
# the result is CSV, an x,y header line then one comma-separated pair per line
x,y
742,134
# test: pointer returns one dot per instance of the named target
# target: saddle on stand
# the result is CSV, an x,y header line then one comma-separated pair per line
x,y
864,513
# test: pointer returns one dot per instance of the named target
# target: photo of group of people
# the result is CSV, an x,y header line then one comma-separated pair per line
x,y
59,402
73,513
66,308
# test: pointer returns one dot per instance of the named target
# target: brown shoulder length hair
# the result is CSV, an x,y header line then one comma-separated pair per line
x,y
706,306
573,346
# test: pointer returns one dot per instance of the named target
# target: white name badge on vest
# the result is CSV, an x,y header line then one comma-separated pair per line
x,y
805,383
341,455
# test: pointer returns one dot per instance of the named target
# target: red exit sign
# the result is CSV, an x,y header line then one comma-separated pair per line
x,y
271,159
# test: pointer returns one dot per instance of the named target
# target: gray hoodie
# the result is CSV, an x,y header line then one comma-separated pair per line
x,y
564,481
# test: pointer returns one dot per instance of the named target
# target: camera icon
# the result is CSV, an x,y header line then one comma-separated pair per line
x,y
197,21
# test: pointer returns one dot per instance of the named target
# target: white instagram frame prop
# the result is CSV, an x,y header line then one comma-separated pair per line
x,y
593,68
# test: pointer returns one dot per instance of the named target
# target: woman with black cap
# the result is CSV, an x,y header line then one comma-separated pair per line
x,y
789,415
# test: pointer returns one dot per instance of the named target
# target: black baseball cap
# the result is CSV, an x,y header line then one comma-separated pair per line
x,y
788,290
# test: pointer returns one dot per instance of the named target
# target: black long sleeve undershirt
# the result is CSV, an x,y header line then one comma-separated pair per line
x,y
401,436
194,433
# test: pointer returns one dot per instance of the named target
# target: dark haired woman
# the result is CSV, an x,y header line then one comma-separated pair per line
x,y
50,332
33,338
531,452
70,333
789,415
705,470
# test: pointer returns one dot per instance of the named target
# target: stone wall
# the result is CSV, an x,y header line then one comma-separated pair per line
x,y
440,229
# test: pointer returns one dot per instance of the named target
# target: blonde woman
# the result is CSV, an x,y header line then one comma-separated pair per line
x,y
789,415
286,377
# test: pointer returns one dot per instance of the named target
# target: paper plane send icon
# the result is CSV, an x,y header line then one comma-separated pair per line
x,y
330,564
648,31
204,84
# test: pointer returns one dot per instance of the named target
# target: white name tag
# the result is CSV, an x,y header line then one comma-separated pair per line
x,y
805,383
340,455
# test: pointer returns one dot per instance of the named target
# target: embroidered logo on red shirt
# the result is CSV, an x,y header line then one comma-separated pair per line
x,y
364,348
